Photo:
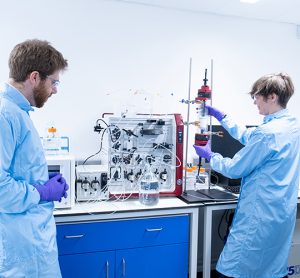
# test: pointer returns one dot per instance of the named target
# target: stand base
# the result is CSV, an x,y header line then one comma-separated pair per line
x,y
206,195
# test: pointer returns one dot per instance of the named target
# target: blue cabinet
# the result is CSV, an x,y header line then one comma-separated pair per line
x,y
149,262
130,248
97,264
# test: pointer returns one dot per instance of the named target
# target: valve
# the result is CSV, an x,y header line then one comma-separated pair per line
x,y
85,184
163,175
95,184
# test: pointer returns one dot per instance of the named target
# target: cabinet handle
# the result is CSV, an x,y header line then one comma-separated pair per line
x,y
154,230
107,269
75,236
123,267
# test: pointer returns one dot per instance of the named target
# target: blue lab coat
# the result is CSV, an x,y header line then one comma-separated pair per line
x,y
260,237
27,228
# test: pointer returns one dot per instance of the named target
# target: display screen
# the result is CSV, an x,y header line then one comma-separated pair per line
x,y
54,169
227,146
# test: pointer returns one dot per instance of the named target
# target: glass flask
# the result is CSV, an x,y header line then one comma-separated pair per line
x,y
149,188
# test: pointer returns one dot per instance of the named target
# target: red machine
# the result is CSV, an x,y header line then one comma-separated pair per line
x,y
141,139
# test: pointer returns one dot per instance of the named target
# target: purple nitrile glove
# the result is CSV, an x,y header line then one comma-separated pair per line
x,y
215,113
62,180
204,151
66,189
53,190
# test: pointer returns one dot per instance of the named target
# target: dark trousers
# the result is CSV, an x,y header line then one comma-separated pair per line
x,y
223,276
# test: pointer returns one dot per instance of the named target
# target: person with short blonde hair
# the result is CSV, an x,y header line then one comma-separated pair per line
x,y
261,233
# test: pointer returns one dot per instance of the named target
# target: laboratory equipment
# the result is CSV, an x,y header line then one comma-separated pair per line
x,y
148,187
201,139
203,133
235,189
190,178
204,94
53,144
227,146
141,139
64,164
91,183
202,180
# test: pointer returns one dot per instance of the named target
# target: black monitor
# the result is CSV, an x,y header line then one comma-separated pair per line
x,y
227,146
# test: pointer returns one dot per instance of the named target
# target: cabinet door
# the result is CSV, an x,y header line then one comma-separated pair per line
x,y
98,264
167,261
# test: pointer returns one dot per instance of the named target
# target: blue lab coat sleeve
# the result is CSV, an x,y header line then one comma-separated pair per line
x,y
238,132
253,155
16,195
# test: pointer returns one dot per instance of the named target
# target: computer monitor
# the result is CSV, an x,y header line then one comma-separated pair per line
x,y
227,146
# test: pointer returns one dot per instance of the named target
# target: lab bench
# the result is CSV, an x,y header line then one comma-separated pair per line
x,y
127,239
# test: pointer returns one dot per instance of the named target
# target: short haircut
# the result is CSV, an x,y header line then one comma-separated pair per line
x,y
280,84
34,55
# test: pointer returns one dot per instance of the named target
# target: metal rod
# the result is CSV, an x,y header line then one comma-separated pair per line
x,y
210,122
187,125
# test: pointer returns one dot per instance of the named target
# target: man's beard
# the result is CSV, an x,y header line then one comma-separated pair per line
x,y
40,95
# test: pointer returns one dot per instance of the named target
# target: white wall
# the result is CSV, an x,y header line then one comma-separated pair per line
x,y
137,57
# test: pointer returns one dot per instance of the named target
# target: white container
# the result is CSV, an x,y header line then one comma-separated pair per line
x,y
51,142
190,179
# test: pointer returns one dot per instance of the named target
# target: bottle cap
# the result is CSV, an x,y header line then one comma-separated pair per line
x,y
194,167
202,169
189,170
52,129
